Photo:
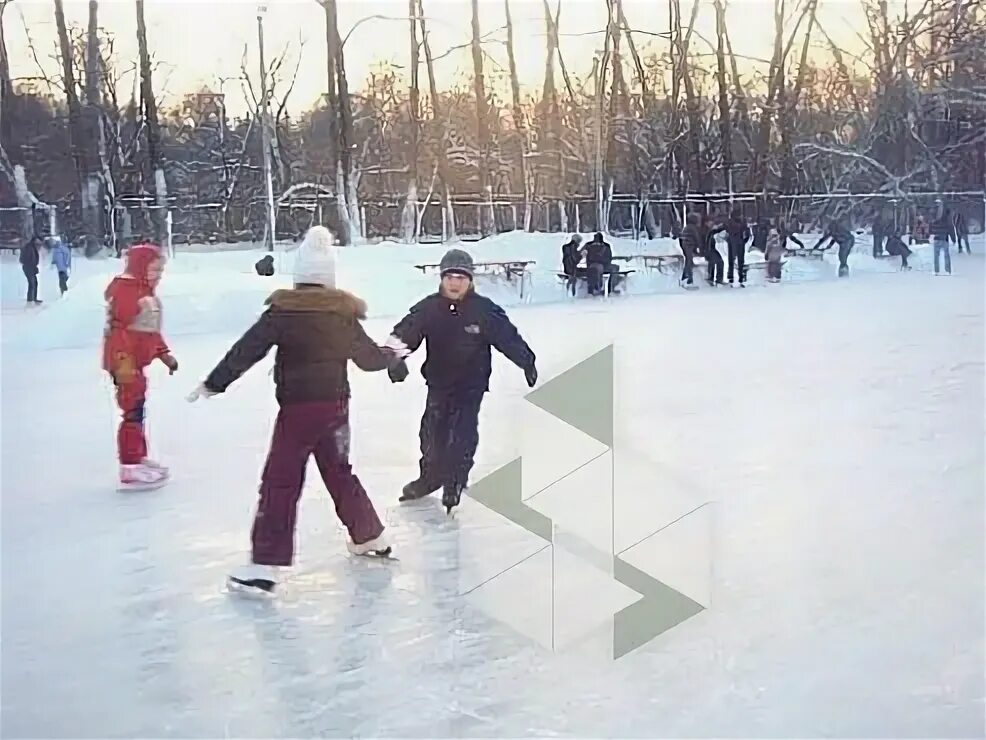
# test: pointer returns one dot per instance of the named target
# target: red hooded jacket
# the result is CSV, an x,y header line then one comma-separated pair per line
x,y
132,339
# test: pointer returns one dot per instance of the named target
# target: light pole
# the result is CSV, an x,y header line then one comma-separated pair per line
x,y
265,132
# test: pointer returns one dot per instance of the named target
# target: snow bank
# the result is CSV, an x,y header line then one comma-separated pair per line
x,y
219,292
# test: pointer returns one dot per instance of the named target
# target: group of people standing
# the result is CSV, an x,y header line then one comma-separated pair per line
x,y
702,233
316,328
31,257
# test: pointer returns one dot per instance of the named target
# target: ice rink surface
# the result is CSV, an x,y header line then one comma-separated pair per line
x,y
834,427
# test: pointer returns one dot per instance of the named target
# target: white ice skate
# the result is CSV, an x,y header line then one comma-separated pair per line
x,y
253,578
141,478
155,465
377,548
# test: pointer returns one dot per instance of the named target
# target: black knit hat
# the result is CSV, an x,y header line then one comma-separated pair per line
x,y
457,261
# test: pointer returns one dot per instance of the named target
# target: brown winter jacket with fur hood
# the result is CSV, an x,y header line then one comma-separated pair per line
x,y
317,331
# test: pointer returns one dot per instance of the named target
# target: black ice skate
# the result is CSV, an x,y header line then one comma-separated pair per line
x,y
451,495
413,491
253,578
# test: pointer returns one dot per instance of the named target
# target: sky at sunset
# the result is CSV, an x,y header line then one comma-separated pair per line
x,y
198,43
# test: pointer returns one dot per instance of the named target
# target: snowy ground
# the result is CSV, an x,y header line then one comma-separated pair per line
x,y
836,425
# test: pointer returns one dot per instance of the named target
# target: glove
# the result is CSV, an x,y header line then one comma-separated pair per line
x,y
170,362
200,392
531,374
398,372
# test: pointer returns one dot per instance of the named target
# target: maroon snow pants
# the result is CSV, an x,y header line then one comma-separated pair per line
x,y
319,428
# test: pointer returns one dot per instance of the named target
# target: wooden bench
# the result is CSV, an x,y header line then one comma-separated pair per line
x,y
808,253
582,275
666,264
512,270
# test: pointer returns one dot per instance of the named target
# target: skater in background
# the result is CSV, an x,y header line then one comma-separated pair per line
x,y
690,241
61,258
265,266
571,255
962,232
132,341
897,248
708,250
942,231
317,331
30,258
737,236
774,254
459,327
879,231
920,232
785,230
838,232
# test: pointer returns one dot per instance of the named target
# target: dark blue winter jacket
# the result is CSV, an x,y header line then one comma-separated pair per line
x,y
458,336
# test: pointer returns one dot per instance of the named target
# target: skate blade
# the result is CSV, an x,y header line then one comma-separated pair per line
x,y
387,554
127,487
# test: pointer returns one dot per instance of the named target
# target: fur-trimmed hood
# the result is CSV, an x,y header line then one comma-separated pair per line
x,y
318,299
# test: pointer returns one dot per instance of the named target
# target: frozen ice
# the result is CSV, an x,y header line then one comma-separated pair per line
x,y
830,432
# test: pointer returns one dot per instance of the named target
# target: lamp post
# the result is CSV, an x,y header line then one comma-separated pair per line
x,y
265,132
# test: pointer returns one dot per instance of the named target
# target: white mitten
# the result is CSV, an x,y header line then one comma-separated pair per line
x,y
200,392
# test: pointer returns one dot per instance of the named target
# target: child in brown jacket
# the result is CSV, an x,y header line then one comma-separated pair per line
x,y
316,329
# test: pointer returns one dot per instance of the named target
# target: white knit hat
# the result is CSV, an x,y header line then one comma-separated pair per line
x,y
315,262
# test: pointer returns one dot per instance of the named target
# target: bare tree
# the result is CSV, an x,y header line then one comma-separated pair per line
x,y
482,125
152,127
439,119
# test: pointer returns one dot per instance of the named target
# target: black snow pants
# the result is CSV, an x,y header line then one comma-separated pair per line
x,y
31,273
449,437
845,247
714,261
737,259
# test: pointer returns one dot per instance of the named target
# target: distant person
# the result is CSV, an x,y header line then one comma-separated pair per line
x,y
920,232
737,236
879,230
774,254
571,255
785,230
61,258
30,259
265,266
599,260
709,250
690,241
962,232
942,231
838,232
897,248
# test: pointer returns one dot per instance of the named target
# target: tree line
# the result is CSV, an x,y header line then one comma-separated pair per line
x,y
661,115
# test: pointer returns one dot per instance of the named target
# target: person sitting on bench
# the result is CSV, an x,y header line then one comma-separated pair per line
x,y
571,255
599,260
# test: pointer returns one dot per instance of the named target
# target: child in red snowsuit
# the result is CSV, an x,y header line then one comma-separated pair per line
x,y
132,341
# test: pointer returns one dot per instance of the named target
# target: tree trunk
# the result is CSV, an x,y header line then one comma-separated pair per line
x,y
725,125
77,135
518,112
409,216
153,131
438,119
788,167
341,133
482,121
